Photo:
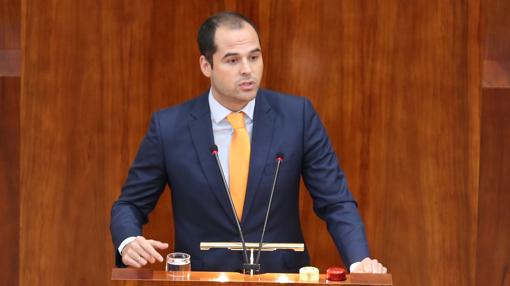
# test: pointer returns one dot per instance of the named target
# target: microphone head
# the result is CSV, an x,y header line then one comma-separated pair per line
x,y
279,156
214,149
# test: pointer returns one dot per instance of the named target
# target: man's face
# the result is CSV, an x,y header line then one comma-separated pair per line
x,y
237,66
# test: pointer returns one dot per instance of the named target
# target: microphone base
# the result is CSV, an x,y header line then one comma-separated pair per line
x,y
251,268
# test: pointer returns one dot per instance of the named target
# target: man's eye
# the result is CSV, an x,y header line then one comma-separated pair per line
x,y
232,61
254,57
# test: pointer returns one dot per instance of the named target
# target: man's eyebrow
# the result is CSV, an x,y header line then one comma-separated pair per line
x,y
229,55
256,50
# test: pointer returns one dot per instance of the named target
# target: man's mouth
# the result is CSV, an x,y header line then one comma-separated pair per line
x,y
247,85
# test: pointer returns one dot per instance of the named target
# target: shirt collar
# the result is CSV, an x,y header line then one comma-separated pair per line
x,y
220,112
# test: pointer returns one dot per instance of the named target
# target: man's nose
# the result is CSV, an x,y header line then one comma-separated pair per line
x,y
245,67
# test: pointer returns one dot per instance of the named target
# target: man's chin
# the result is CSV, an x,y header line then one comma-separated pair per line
x,y
249,93
246,96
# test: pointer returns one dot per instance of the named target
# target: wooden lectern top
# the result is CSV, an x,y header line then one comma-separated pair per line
x,y
131,276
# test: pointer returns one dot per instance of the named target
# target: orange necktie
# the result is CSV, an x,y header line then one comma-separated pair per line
x,y
239,161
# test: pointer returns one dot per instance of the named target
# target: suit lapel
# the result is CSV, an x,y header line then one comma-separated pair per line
x,y
262,136
200,127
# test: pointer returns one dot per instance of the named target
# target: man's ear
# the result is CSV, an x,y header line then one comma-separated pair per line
x,y
205,66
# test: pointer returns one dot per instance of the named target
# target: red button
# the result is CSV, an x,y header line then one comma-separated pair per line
x,y
335,274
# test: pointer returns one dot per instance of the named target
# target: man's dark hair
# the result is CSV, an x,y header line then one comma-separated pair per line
x,y
207,31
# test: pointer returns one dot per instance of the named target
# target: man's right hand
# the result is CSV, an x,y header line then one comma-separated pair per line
x,y
140,251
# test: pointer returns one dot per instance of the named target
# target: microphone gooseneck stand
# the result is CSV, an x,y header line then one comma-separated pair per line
x,y
251,265
279,160
246,264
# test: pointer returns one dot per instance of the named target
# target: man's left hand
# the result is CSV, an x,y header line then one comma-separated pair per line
x,y
369,265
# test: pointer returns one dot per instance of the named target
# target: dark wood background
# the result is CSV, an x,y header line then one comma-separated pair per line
x,y
493,247
414,94
10,90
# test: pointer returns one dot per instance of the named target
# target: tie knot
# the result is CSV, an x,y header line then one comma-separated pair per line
x,y
236,119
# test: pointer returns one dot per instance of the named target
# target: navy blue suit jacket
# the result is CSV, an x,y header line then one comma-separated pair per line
x,y
176,151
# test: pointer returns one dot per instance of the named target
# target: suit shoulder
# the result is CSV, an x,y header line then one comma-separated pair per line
x,y
179,111
281,96
279,100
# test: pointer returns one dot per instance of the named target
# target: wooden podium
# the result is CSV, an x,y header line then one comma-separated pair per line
x,y
142,277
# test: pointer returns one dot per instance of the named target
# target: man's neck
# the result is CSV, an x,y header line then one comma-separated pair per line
x,y
234,105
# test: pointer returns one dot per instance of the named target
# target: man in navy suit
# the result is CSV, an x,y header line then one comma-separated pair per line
x,y
176,151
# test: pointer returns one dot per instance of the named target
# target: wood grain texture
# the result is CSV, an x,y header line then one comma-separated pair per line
x,y
88,75
493,247
10,24
128,276
494,198
496,43
9,179
10,63
496,28
94,73
388,78
496,74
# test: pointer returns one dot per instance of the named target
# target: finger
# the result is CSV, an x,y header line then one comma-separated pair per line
x,y
384,270
129,247
141,260
367,266
140,250
143,248
134,254
360,268
129,261
159,245
130,257
376,266
151,252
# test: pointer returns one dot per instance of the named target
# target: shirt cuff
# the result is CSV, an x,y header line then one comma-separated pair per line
x,y
124,243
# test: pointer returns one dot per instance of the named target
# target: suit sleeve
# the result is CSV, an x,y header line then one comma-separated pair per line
x,y
142,189
332,200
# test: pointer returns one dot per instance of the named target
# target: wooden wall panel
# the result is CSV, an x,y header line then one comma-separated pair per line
x,y
494,214
9,179
10,23
493,247
388,78
84,71
94,72
496,26
496,44
10,63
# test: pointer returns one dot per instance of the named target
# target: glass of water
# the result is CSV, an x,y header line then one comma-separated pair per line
x,y
178,264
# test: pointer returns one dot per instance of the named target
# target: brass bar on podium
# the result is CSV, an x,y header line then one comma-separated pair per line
x,y
253,245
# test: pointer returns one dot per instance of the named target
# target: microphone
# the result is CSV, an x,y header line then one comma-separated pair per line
x,y
279,160
246,264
